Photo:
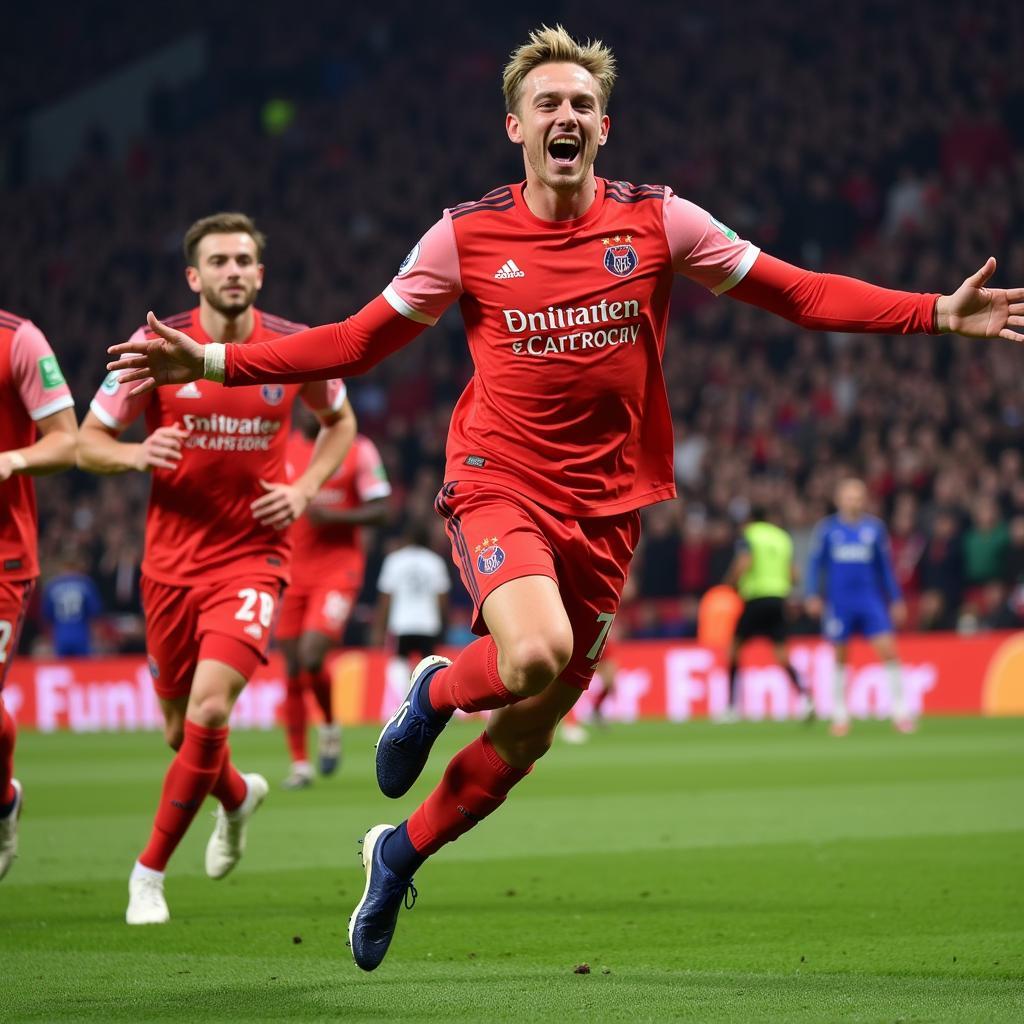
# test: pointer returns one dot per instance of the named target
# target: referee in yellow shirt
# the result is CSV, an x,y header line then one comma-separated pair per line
x,y
763,572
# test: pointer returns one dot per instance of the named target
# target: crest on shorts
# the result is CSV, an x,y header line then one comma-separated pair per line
x,y
154,668
620,257
272,393
489,556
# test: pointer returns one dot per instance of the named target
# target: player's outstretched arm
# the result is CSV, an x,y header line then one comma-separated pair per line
x,y
343,349
831,302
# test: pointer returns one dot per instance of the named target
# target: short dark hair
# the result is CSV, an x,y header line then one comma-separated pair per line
x,y
228,223
759,514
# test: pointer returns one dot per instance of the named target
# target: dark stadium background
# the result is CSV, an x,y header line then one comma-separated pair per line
x,y
877,139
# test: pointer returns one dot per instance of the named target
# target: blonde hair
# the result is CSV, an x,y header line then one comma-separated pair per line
x,y
555,45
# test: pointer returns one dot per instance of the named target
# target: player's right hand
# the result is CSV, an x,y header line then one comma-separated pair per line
x,y
170,358
162,449
814,606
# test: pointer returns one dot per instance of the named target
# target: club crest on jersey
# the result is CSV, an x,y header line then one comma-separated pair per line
x,y
272,393
489,556
620,257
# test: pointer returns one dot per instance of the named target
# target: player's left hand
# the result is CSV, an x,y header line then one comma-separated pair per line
x,y
280,506
979,312
898,612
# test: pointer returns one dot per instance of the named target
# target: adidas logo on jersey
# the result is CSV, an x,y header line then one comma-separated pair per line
x,y
509,270
189,390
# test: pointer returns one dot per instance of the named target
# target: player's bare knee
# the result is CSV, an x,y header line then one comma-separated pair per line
x,y
532,663
211,712
310,660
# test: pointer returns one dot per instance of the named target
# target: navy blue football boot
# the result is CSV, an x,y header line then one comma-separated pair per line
x,y
405,741
372,924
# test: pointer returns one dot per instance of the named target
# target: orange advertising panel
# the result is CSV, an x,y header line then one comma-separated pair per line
x,y
942,674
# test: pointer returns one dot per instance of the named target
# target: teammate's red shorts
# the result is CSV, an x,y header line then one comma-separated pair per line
x,y
14,598
500,535
315,610
228,620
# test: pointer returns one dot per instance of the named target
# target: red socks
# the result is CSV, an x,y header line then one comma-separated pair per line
x,y
320,684
192,775
230,788
475,783
471,682
295,718
8,732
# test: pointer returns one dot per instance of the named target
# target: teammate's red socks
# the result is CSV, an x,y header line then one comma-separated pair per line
x,y
230,788
475,783
8,733
191,776
320,684
471,682
295,718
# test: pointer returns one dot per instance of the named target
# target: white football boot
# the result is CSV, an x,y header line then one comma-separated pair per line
x,y
227,844
146,903
9,832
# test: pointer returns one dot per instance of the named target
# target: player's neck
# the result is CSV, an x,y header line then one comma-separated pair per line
x,y
224,329
547,203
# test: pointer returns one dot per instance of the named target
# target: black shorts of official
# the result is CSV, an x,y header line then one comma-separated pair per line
x,y
423,644
763,616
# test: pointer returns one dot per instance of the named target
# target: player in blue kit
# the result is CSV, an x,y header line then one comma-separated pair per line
x,y
851,560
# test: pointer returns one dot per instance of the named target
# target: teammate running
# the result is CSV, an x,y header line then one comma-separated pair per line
x,y
851,550
217,550
327,573
562,434
763,573
37,436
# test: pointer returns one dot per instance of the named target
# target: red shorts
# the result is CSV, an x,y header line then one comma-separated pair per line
x,y
500,535
14,598
315,610
228,620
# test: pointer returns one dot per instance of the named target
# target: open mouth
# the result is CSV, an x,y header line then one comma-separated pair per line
x,y
564,149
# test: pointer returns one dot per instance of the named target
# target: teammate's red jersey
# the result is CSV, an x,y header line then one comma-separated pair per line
x,y
566,323
323,553
31,388
200,525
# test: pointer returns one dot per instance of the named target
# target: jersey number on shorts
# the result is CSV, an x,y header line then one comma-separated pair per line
x,y
606,619
6,629
250,598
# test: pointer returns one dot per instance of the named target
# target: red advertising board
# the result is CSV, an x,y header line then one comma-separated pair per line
x,y
942,673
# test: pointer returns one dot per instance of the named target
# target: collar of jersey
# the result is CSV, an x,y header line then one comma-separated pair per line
x,y
593,212
203,338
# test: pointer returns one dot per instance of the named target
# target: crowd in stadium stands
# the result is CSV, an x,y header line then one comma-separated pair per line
x,y
878,141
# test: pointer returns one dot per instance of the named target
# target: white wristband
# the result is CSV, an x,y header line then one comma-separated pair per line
x,y
213,362
18,461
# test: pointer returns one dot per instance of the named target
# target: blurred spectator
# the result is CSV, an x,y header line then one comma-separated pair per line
x,y
942,574
70,605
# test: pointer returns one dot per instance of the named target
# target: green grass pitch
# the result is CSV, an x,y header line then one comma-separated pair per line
x,y
754,873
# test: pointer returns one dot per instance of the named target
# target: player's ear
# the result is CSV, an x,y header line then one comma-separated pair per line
x,y
259,276
192,277
606,124
513,129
